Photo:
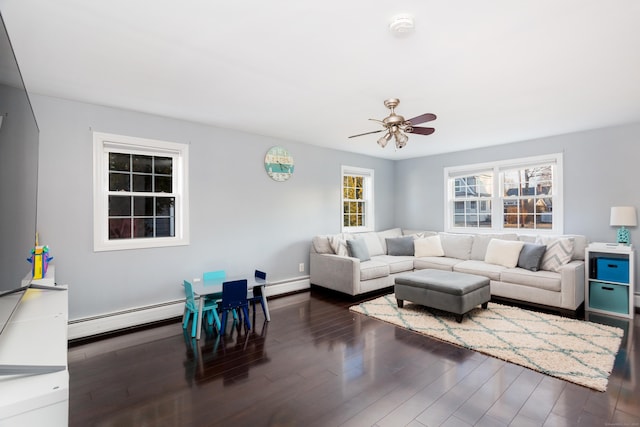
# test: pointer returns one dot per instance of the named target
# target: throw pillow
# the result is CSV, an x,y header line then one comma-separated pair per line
x,y
383,235
400,246
559,252
339,245
531,256
503,252
428,246
481,241
357,248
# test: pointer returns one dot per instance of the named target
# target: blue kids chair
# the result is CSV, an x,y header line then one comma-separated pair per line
x,y
257,293
234,297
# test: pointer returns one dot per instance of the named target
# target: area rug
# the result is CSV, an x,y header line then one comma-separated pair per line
x,y
574,350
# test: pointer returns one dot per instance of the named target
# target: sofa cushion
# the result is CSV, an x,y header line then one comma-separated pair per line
x,y
428,246
373,243
322,245
546,280
559,252
580,243
503,252
439,263
373,269
383,235
396,264
418,234
339,245
481,268
531,256
400,246
481,241
527,238
357,248
456,245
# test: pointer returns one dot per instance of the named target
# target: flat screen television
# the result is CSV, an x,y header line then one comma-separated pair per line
x,y
19,139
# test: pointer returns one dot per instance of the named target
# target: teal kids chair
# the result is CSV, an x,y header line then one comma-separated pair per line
x,y
211,277
209,310
218,275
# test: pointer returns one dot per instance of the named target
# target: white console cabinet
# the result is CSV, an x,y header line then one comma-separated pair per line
x,y
34,343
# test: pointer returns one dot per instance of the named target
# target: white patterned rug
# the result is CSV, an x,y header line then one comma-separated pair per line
x,y
574,350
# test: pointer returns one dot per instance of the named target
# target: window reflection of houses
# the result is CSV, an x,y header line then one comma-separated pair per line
x,y
524,206
527,207
473,211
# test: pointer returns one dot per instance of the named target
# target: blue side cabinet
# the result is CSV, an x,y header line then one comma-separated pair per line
x,y
609,279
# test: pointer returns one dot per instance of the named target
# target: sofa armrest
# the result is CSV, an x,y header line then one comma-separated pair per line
x,y
335,272
572,279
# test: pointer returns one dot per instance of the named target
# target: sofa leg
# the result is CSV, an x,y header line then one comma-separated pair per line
x,y
485,305
400,303
459,318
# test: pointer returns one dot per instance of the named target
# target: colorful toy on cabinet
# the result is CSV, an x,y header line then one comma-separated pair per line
x,y
39,260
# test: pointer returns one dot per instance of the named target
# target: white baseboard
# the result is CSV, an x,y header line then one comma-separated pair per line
x,y
109,322
286,286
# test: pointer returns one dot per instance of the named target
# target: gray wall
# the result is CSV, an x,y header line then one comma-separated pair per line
x,y
240,219
600,171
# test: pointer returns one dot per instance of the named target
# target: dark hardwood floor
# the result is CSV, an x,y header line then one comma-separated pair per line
x,y
317,364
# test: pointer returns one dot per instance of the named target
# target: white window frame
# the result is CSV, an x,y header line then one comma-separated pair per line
x,y
368,175
497,214
103,143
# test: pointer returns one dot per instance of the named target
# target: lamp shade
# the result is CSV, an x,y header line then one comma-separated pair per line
x,y
623,216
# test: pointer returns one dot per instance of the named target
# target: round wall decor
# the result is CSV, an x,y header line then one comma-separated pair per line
x,y
279,163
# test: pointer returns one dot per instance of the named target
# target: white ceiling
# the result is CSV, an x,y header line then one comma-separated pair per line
x,y
494,71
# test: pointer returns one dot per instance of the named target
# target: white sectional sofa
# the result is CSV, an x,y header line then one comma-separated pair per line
x,y
341,262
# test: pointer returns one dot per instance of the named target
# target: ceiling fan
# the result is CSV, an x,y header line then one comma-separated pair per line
x,y
397,127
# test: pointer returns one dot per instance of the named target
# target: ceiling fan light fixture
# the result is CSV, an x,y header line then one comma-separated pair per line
x,y
401,139
382,142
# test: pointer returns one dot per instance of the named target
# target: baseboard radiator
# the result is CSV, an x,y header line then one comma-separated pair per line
x,y
137,316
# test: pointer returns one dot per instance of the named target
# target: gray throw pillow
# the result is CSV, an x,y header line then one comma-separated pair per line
x,y
531,256
400,246
358,249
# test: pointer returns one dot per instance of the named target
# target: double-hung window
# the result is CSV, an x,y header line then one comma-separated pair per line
x,y
520,195
357,199
140,193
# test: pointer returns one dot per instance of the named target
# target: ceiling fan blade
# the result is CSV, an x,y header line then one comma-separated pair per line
x,y
422,131
367,133
427,117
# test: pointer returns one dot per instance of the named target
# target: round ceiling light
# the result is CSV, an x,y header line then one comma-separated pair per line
x,y
402,24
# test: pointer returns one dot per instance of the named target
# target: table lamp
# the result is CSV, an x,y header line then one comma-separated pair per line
x,y
623,216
